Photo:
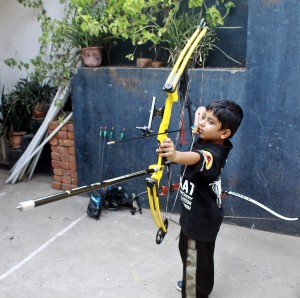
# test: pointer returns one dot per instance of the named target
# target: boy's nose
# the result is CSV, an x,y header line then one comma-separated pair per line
x,y
201,122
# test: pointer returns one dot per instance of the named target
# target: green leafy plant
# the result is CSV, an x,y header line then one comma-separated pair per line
x,y
139,21
61,40
31,3
185,18
85,26
17,106
102,22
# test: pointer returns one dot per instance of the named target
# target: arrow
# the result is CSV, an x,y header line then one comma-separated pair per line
x,y
148,136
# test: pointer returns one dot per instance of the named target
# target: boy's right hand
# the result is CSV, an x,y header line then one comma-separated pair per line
x,y
198,117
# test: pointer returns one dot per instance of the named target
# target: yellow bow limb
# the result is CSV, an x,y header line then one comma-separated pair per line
x,y
171,87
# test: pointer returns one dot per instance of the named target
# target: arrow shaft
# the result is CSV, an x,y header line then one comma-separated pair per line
x,y
147,136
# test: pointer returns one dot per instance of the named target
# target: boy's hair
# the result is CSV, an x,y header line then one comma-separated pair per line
x,y
229,113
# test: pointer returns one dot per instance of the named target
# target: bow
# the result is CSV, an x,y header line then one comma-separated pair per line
x,y
152,183
235,194
171,87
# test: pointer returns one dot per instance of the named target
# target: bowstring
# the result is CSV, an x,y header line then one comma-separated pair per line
x,y
181,123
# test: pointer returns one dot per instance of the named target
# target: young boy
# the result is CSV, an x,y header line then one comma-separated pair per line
x,y
200,191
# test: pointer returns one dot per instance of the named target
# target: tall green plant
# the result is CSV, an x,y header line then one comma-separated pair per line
x,y
185,18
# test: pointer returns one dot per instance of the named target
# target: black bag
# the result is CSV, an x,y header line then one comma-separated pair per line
x,y
117,196
97,200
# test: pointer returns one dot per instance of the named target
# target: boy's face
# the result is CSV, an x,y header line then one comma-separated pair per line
x,y
210,130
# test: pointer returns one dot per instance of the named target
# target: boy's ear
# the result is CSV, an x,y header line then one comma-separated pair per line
x,y
226,134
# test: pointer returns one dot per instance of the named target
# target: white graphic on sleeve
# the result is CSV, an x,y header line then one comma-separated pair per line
x,y
186,191
217,189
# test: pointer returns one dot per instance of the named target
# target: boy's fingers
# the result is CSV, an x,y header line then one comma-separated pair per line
x,y
166,143
167,140
195,130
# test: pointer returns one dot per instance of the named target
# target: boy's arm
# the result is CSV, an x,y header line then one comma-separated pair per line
x,y
167,149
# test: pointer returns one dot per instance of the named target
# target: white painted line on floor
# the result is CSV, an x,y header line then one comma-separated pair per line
x,y
41,248
2,194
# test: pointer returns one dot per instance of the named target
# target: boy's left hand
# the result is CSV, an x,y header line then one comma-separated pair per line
x,y
167,149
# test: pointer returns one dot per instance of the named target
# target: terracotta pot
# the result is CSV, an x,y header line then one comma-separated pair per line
x,y
15,139
143,62
92,57
157,64
38,114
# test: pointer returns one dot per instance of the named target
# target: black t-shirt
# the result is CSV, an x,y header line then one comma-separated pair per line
x,y
200,190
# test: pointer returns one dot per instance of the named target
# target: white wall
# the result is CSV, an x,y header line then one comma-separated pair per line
x,y
19,33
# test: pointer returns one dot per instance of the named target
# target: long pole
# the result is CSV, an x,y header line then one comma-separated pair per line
x,y
23,206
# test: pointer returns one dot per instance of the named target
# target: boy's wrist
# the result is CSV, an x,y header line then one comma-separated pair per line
x,y
172,157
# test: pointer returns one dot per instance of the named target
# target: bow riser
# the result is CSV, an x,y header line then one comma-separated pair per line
x,y
153,182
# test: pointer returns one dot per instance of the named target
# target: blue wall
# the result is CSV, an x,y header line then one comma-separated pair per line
x,y
265,161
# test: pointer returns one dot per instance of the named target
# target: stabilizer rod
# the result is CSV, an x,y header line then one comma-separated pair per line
x,y
23,206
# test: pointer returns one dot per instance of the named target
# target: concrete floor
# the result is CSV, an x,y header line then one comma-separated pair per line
x,y
57,251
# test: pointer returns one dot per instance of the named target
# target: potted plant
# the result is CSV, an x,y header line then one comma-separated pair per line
x,y
184,18
140,22
16,117
38,111
17,106
62,40
41,94
97,24
88,23
85,31
91,23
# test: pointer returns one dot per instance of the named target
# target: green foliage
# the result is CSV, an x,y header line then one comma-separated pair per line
x,y
61,40
137,20
16,107
180,30
101,22
31,3
183,21
195,3
86,26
